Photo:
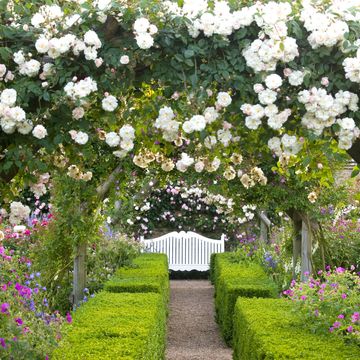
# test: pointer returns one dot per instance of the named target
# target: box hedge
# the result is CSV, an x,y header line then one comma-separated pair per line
x,y
116,326
234,279
149,273
270,329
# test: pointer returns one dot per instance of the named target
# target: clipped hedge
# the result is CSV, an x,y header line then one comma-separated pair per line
x,y
149,273
116,326
270,329
233,279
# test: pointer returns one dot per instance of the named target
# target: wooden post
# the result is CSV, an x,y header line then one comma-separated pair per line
x,y
265,224
306,241
79,275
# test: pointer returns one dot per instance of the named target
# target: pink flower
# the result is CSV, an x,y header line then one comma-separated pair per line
x,y
303,297
336,324
341,316
344,296
350,329
68,318
355,317
340,270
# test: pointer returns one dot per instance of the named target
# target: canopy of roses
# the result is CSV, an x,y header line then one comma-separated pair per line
x,y
177,206
229,90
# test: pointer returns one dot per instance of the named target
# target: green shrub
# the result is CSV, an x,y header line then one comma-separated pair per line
x,y
233,279
149,273
116,326
212,267
271,329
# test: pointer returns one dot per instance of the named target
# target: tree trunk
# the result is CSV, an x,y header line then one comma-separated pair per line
x,y
296,244
354,151
79,276
306,242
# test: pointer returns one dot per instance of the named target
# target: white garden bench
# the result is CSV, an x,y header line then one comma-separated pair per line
x,y
185,250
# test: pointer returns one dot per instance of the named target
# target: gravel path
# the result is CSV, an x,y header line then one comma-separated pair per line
x,y
192,331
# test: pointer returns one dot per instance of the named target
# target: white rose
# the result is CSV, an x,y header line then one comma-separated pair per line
x,y
81,138
42,45
112,139
141,25
223,99
109,103
127,132
39,132
199,166
273,81
144,41
78,113
92,39
2,70
124,60
8,97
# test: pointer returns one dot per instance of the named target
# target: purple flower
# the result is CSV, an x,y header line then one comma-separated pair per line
x,y
340,270
2,342
355,317
19,321
5,308
336,324
341,316
68,318
344,296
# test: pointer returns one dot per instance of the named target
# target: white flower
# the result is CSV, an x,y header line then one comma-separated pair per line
x,y
252,122
112,139
296,78
103,5
127,144
78,113
124,60
17,114
141,25
198,122
127,132
42,45
8,97
144,41
98,62
347,123
19,57
110,103
92,39
199,166
19,228
81,138
210,114
120,153
24,127
2,70
39,132
223,99
273,81
267,97
30,68
37,20
18,212
258,88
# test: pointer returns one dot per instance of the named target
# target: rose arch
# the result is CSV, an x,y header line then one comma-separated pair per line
x,y
259,101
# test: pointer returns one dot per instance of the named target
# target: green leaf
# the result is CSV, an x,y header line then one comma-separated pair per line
x,y
189,53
